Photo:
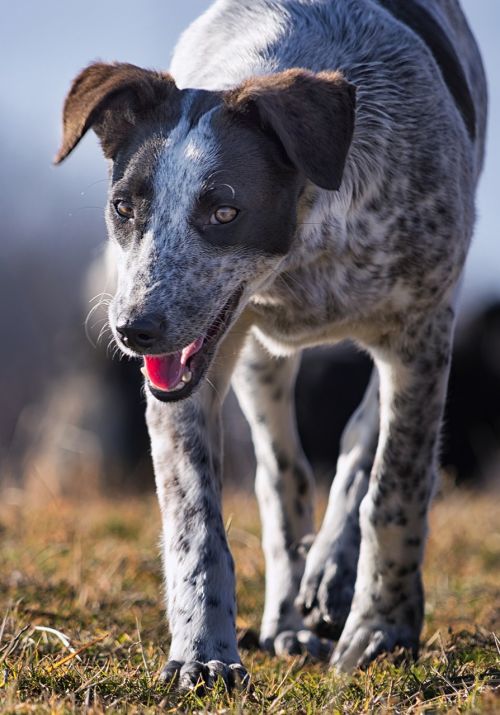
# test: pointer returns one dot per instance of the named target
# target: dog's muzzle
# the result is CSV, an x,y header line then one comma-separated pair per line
x,y
174,376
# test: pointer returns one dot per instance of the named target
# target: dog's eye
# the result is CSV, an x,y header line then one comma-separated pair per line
x,y
224,214
124,209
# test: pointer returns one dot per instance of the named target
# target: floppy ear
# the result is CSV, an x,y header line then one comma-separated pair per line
x,y
312,114
111,98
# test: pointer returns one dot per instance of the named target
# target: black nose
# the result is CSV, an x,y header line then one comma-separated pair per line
x,y
142,333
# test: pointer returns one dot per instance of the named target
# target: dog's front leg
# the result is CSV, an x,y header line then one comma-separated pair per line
x,y
199,572
387,608
284,485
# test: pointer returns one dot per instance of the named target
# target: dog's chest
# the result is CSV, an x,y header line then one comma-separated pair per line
x,y
340,294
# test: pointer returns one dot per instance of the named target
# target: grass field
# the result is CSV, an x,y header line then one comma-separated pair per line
x,y
92,573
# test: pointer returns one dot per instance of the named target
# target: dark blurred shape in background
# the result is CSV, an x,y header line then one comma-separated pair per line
x,y
71,419
332,381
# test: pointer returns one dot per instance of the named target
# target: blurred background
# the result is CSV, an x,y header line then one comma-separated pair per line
x,y
71,419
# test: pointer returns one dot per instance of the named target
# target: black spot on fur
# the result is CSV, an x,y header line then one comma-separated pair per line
x,y
285,607
413,541
277,394
281,459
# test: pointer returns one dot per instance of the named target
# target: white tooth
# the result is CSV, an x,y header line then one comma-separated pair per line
x,y
144,371
179,386
186,376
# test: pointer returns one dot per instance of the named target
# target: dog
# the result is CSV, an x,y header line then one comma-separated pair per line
x,y
308,176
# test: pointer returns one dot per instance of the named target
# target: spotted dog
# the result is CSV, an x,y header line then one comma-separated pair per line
x,y
307,177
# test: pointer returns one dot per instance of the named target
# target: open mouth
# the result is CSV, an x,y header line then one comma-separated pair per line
x,y
174,376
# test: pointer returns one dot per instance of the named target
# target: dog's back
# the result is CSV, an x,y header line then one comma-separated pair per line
x,y
234,39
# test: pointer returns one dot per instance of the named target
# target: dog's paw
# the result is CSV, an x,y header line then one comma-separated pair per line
x,y
326,593
363,640
194,675
301,642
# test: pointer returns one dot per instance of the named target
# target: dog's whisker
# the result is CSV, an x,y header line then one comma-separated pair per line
x,y
103,319
92,311
88,328
86,208
90,186
101,296
207,379
102,333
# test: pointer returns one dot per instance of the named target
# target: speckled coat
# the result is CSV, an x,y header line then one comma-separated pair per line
x,y
348,137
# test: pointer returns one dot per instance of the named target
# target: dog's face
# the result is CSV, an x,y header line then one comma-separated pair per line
x,y
203,198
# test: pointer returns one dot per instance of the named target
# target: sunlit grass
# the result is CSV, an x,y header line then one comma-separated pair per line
x,y
91,573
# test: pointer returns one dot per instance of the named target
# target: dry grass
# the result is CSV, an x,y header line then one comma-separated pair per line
x,y
92,573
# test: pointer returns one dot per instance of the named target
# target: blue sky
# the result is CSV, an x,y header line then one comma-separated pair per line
x,y
43,45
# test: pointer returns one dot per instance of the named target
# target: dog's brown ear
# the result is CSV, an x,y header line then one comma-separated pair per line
x,y
110,98
312,114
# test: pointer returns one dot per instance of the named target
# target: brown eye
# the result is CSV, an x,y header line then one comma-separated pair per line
x,y
124,209
224,214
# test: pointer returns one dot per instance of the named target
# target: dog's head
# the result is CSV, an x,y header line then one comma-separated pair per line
x,y
203,197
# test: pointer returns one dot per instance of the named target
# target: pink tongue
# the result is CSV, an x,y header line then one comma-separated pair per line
x,y
165,371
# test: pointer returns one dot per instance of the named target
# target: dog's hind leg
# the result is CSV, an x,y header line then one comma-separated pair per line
x,y
284,485
328,584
